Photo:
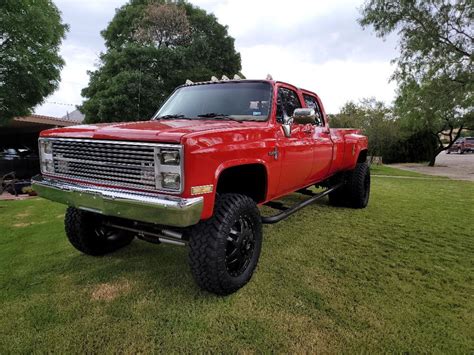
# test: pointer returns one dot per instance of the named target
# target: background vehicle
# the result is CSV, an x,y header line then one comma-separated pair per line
x,y
462,145
198,171
23,161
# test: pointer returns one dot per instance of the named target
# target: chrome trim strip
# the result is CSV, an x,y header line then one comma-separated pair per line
x,y
143,207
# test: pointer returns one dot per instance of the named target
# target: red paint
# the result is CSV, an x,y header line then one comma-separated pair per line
x,y
311,155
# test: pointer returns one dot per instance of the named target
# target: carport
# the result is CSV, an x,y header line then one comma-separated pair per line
x,y
25,130
22,133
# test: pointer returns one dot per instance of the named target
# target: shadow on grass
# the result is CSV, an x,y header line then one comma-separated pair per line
x,y
162,269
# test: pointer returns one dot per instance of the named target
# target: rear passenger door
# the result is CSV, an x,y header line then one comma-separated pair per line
x,y
296,151
321,141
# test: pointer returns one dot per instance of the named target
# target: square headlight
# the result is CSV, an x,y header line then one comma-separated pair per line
x,y
170,181
169,157
46,147
46,156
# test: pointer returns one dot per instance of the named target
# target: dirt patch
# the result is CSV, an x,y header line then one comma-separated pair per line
x,y
110,290
24,214
5,196
21,225
27,224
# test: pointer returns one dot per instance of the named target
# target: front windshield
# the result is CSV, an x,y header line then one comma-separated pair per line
x,y
243,101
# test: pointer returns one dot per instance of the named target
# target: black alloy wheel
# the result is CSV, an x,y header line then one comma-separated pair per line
x,y
240,247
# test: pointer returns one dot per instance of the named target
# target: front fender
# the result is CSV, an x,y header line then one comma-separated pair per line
x,y
238,162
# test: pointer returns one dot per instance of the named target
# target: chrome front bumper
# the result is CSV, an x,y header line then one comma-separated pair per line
x,y
137,206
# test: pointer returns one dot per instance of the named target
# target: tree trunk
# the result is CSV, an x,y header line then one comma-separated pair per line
x,y
441,146
440,149
433,157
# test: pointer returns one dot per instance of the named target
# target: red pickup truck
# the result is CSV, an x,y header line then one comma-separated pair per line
x,y
196,173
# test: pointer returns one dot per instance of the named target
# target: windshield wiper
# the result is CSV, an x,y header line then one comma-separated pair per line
x,y
169,117
219,116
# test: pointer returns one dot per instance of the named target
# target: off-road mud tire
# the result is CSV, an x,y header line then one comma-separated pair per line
x,y
356,189
87,234
208,242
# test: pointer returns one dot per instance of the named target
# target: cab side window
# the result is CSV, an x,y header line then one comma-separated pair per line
x,y
287,102
312,102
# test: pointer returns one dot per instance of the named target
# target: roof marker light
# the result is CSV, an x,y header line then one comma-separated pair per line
x,y
213,78
269,77
224,77
236,77
189,82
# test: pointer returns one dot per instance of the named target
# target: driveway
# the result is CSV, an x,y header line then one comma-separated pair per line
x,y
454,166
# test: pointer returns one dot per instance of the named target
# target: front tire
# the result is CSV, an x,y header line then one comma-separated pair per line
x,y
224,250
88,234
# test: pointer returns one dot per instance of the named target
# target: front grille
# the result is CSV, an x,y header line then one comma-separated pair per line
x,y
113,163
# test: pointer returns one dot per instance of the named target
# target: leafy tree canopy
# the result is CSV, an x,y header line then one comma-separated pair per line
x,y
374,118
387,136
435,69
152,47
31,32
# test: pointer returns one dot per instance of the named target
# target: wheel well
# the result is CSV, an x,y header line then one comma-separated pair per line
x,y
249,180
362,156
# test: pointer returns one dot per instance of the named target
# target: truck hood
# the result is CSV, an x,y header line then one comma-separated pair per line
x,y
170,131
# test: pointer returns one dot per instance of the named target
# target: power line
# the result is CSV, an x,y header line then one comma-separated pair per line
x,y
60,103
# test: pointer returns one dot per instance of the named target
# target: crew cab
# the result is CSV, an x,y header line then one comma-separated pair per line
x,y
197,172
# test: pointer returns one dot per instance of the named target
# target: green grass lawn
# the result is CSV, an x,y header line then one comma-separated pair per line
x,y
389,171
395,277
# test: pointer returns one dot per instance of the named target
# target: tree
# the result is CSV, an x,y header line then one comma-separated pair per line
x,y
434,69
428,106
374,118
152,47
383,127
164,26
31,32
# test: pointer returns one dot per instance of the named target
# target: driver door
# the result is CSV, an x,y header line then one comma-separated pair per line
x,y
296,151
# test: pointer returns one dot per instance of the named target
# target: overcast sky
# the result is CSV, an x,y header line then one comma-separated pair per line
x,y
314,44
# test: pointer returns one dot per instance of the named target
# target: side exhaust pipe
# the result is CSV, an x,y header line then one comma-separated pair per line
x,y
165,235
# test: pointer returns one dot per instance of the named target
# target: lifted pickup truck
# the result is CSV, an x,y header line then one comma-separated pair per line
x,y
196,173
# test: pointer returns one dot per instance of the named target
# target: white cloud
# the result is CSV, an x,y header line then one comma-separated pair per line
x,y
92,6
79,60
317,45
80,50
335,81
243,16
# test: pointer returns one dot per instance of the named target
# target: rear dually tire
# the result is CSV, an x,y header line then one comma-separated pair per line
x,y
355,191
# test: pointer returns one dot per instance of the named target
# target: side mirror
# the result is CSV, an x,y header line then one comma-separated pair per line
x,y
304,116
287,122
